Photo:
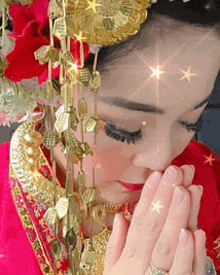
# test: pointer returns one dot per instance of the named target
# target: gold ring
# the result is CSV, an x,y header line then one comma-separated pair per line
x,y
156,271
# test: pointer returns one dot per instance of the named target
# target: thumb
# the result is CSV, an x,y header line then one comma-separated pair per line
x,y
116,241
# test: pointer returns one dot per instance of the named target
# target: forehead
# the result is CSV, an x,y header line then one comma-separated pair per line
x,y
175,47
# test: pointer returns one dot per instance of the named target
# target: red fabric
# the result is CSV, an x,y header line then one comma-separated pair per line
x,y
17,256
31,31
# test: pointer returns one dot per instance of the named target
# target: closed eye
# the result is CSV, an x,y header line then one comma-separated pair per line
x,y
122,135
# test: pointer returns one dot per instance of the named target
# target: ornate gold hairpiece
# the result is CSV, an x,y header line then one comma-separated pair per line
x,y
98,22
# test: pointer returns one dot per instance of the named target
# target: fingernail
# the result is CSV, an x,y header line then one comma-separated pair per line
x,y
200,187
178,195
203,237
170,175
183,237
193,172
154,179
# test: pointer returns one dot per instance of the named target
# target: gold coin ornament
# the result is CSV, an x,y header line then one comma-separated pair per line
x,y
90,125
73,118
51,216
96,82
62,207
42,54
62,122
67,59
46,53
82,108
56,248
84,77
89,195
74,222
70,240
81,178
54,9
60,28
51,139
89,259
106,22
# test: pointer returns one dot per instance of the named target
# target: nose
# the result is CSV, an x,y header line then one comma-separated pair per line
x,y
155,155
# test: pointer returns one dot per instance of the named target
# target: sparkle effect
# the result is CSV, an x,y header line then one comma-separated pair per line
x,y
187,74
209,159
156,72
74,67
92,5
157,206
79,37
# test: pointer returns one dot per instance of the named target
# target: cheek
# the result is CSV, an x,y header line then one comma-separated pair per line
x,y
112,162
110,159
113,159
110,165
180,142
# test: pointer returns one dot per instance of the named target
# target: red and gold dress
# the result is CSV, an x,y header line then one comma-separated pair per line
x,y
25,238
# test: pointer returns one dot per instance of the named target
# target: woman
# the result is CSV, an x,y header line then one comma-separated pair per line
x,y
154,91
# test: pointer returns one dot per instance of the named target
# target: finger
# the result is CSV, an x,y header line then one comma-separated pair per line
x,y
116,241
144,203
166,245
183,259
188,174
147,194
200,252
196,196
148,225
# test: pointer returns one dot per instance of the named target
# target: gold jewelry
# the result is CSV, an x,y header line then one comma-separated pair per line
x,y
28,173
156,271
103,22
99,22
25,168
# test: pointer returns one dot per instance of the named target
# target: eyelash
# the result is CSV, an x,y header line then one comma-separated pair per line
x,y
134,137
122,135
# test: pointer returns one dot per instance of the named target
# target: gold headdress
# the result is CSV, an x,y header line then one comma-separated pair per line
x,y
98,23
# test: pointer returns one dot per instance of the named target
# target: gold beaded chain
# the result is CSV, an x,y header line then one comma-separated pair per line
x,y
101,23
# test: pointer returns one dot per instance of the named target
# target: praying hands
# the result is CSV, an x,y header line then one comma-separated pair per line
x,y
162,236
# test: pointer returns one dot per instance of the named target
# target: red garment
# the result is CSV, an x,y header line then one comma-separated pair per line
x,y
17,257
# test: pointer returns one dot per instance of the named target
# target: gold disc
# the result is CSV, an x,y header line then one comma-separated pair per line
x,y
106,22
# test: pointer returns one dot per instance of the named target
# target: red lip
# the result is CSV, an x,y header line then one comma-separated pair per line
x,y
131,187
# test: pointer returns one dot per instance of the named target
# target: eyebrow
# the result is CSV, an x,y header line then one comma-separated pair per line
x,y
147,108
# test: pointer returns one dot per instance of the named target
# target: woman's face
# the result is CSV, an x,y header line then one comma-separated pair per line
x,y
133,79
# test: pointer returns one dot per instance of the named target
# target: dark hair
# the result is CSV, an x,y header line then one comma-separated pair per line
x,y
203,13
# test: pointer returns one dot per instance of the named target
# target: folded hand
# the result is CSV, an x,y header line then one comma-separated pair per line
x,y
153,236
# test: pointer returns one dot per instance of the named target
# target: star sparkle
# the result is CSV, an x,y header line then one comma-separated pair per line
x,y
92,5
156,72
187,74
74,67
79,37
208,7
157,206
209,159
